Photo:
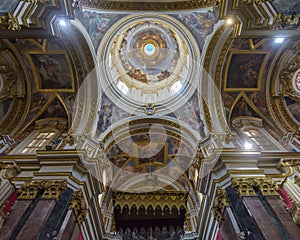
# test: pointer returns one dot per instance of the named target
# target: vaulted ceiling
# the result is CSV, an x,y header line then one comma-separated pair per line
x,y
49,49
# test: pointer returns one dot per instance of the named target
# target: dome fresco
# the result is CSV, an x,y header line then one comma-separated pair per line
x,y
148,61
149,119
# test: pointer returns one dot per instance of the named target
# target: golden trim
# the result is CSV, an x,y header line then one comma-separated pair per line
x,y
51,189
257,45
79,206
152,5
245,186
156,199
219,204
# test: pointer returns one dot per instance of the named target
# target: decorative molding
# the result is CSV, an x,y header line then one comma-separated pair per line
x,y
10,171
33,13
9,22
152,5
287,22
295,211
290,167
252,15
246,122
245,186
69,140
51,189
155,199
79,206
219,204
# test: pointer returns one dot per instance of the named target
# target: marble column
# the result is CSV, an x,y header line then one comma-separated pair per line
x,y
228,227
57,216
17,212
36,221
246,223
284,216
262,218
69,228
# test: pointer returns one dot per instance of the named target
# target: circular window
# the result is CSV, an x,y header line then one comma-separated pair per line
x,y
149,60
149,49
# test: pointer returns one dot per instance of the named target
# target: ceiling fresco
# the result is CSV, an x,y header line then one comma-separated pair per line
x,y
201,23
287,7
96,23
245,78
8,6
133,89
142,154
49,74
150,53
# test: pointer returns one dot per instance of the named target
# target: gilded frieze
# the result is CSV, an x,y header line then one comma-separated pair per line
x,y
245,186
219,204
49,189
79,206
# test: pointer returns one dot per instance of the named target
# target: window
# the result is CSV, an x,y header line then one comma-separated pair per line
x,y
260,139
41,140
252,132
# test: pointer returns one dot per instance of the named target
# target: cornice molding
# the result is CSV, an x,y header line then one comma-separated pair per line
x,y
152,5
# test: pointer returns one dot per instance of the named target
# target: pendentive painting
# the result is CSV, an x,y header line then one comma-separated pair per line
x,y
52,71
244,71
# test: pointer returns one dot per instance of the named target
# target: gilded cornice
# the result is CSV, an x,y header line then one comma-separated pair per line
x,y
8,21
153,5
291,165
286,22
51,189
219,204
245,186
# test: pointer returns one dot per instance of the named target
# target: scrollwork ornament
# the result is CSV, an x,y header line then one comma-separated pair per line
x,y
245,186
10,171
219,204
49,189
79,206
286,22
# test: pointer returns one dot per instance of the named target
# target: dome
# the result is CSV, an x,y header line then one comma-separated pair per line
x,y
149,60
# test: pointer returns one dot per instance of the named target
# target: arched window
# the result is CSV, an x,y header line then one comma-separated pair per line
x,y
44,135
251,131
38,142
258,136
